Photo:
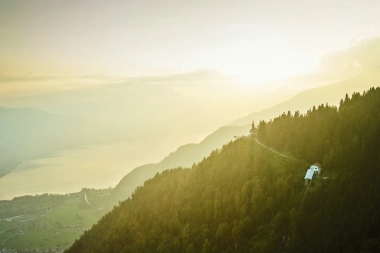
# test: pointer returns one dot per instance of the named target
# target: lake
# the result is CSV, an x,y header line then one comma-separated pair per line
x,y
98,166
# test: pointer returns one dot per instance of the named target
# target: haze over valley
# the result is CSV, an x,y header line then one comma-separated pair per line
x,y
104,102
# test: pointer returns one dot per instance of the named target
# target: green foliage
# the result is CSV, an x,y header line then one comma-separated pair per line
x,y
47,220
184,156
208,208
29,204
340,214
246,198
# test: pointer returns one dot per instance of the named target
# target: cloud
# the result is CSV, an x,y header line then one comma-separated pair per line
x,y
196,77
337,65
30,85
13,84
360,56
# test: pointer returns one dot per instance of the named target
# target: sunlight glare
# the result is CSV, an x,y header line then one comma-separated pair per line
x,y
266,59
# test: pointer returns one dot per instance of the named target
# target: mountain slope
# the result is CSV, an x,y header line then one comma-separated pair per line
x,y
184,156
246,198
327,94
342,211
330,94
189,210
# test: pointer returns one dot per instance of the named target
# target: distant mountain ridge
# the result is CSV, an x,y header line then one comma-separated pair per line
x,y
331,94
184,156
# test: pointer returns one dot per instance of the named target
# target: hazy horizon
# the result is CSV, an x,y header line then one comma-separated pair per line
x,y
224,58
188,126
138,71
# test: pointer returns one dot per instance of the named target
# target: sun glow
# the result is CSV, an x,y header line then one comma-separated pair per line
x,y
252,60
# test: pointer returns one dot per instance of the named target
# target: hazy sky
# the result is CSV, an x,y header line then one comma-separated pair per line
x,y
160,69
253,40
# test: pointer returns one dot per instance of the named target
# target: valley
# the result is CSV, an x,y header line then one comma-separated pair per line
x,y
210,126
47,222
96,166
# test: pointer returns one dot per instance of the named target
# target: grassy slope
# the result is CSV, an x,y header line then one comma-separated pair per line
x,y
59,225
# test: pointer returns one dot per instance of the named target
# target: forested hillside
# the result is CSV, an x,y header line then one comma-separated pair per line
x,y
344,213
247,198
184,156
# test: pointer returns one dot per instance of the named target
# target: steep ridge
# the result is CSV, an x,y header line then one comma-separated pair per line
x,y
327,94
184,156
244,198
330,94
